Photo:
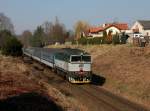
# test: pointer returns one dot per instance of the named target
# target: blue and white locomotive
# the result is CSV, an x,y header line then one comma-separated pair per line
x,y
73,64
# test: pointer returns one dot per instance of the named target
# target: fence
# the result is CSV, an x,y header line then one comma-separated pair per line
x,y
141,41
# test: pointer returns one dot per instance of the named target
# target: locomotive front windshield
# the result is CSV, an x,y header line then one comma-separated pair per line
x,y
86,58
82,58
75,58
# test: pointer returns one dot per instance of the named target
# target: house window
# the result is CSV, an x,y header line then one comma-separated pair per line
x,y
147,34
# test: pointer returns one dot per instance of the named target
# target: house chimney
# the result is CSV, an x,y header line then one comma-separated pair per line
x,y
104,25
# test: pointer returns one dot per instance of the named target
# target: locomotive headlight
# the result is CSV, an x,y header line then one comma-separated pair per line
x,y
84,79
72,79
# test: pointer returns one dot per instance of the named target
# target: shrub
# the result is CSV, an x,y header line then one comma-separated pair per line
x,y
116,39
95,41
109,37
83,41
74,42
12,47
124,38
4,35
91,41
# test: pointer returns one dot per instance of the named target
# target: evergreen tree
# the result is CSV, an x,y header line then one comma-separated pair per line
x,y
109,37
116,39
37,39
104,37
124,38
12,47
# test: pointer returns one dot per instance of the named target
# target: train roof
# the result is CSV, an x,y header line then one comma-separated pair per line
x,y
70,51
67,51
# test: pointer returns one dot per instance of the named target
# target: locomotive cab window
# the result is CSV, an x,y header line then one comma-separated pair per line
x,y
86,58
75,58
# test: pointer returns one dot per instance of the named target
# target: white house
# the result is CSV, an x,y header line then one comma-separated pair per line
x,y
142,27
114,30
113,27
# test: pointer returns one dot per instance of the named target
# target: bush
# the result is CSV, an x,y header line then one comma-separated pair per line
x,y
83,41
91,41
74,42
97,40
124,39
12,47
116,39
4,35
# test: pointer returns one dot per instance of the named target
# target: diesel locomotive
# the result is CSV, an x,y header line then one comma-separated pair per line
x,y
73,64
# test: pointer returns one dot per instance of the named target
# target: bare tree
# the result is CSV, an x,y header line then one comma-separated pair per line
x,y
25,38
80,27
6,24
48,27
55,32
59,31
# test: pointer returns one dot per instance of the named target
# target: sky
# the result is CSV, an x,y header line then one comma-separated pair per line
x,y
28,14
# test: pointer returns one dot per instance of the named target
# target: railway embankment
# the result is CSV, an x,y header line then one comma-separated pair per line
x,y
124,67
23,89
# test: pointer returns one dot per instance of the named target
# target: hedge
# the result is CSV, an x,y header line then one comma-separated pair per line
x,y
116,39
91,41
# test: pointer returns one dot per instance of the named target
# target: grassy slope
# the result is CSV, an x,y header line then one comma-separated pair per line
x,y
14,69
125,68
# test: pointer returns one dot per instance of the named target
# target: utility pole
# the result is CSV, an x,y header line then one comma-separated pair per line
x,y
0,24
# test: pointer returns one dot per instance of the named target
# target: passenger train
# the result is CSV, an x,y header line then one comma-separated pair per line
x,y
73,64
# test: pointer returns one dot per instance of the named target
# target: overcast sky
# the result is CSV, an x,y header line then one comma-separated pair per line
x,y
27,14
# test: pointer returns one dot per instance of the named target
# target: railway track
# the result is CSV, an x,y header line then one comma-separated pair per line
x,y
116,102
94,97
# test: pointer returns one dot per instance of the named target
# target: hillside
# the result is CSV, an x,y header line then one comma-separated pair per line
x,y
20,86
125,68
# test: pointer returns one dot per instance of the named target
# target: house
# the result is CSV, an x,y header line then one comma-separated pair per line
x,y
141,28
113,27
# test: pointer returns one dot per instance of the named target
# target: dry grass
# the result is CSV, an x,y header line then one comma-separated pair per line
x,y
67,102
125,68
13,78
16,78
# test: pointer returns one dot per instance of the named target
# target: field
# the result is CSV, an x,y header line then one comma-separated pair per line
x,y
125,68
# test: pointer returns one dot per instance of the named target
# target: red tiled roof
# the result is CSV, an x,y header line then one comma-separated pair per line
x,y
120,26
96,29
